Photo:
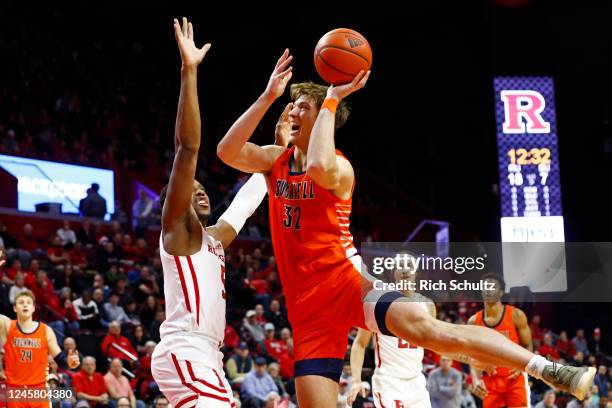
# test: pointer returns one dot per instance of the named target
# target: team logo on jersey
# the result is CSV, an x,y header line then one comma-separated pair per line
x,y
26,342
303,190
217,250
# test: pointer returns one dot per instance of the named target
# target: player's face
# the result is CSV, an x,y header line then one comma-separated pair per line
x,y
492,295
302,118
24,307
407,273
200,202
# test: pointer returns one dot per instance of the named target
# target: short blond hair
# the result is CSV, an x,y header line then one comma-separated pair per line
x,y
317,94
26,293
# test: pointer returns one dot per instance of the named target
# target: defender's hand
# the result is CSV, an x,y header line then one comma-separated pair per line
x,y
280,77
478,388
356,388
190,54
283,127
340,92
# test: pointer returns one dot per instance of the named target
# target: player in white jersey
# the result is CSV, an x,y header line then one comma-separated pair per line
x,y
187,364
398,380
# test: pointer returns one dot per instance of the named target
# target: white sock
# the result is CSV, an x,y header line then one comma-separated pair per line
x,y
536,365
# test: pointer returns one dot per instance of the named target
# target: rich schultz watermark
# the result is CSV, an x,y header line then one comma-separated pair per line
x,y
469,271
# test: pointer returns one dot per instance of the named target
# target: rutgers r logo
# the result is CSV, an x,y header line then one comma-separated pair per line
x,y
523,112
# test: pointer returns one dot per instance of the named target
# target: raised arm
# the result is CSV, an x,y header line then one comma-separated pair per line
x,y
322,164
234,149
250,195
187,130
357,355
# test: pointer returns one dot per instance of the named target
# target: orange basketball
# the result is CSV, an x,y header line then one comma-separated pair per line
x,y
341,54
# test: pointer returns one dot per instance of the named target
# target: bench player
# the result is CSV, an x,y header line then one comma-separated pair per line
x,y
506,387
27,347
187,364
310,186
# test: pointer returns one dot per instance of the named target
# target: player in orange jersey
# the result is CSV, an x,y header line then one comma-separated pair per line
x,y
506,387
310,187
27,346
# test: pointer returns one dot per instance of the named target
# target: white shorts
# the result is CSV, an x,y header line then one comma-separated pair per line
x,y
189,383
391,392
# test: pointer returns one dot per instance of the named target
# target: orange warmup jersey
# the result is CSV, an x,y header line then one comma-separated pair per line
x,y
26,356
506,327
312,242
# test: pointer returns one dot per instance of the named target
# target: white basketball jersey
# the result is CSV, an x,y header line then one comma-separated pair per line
x,y
194,288
396,357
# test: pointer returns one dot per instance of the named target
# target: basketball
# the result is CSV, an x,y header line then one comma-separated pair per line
x,y
341,54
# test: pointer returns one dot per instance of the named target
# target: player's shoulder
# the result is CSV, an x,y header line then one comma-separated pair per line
x,y
275,153
517,314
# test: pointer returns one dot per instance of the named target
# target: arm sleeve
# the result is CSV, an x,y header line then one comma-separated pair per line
x,y
246,202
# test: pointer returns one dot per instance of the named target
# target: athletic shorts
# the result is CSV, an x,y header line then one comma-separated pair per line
x,y
392,392
322,317
504,391
188,383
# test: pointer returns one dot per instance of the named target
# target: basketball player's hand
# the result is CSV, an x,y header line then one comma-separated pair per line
x,y
280,77
283,127
356,388
340,92
478,388
73,360
190,54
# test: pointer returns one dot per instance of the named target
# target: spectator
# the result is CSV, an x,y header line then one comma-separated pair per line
x,y
70,345
89,385
118,385
93,205
161,402
537,334
124,402
113,311
574,403
260,319
17,288
98,297
141,212
78,256
138,338
547,349
278,349
548,401
580,343
276,315
66,235
106,256
27,241
131,310
148,310
565,346
601,380
230,338
146,285
144,378
592,400
444,385
239,364
160,316
85,234
596,343
250,331
274,371
257,385
578,359
115,345
57,253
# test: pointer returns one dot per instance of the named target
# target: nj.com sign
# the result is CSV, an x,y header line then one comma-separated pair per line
x,y
40,181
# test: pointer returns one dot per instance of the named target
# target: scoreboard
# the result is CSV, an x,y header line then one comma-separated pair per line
x,y
530,189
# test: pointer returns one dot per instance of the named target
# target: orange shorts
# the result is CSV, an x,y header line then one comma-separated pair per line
x,y
504,391
323,315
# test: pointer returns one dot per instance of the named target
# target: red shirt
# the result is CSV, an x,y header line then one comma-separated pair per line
x,y
94,386
113,352
276,348
546,350
565,347
78,257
